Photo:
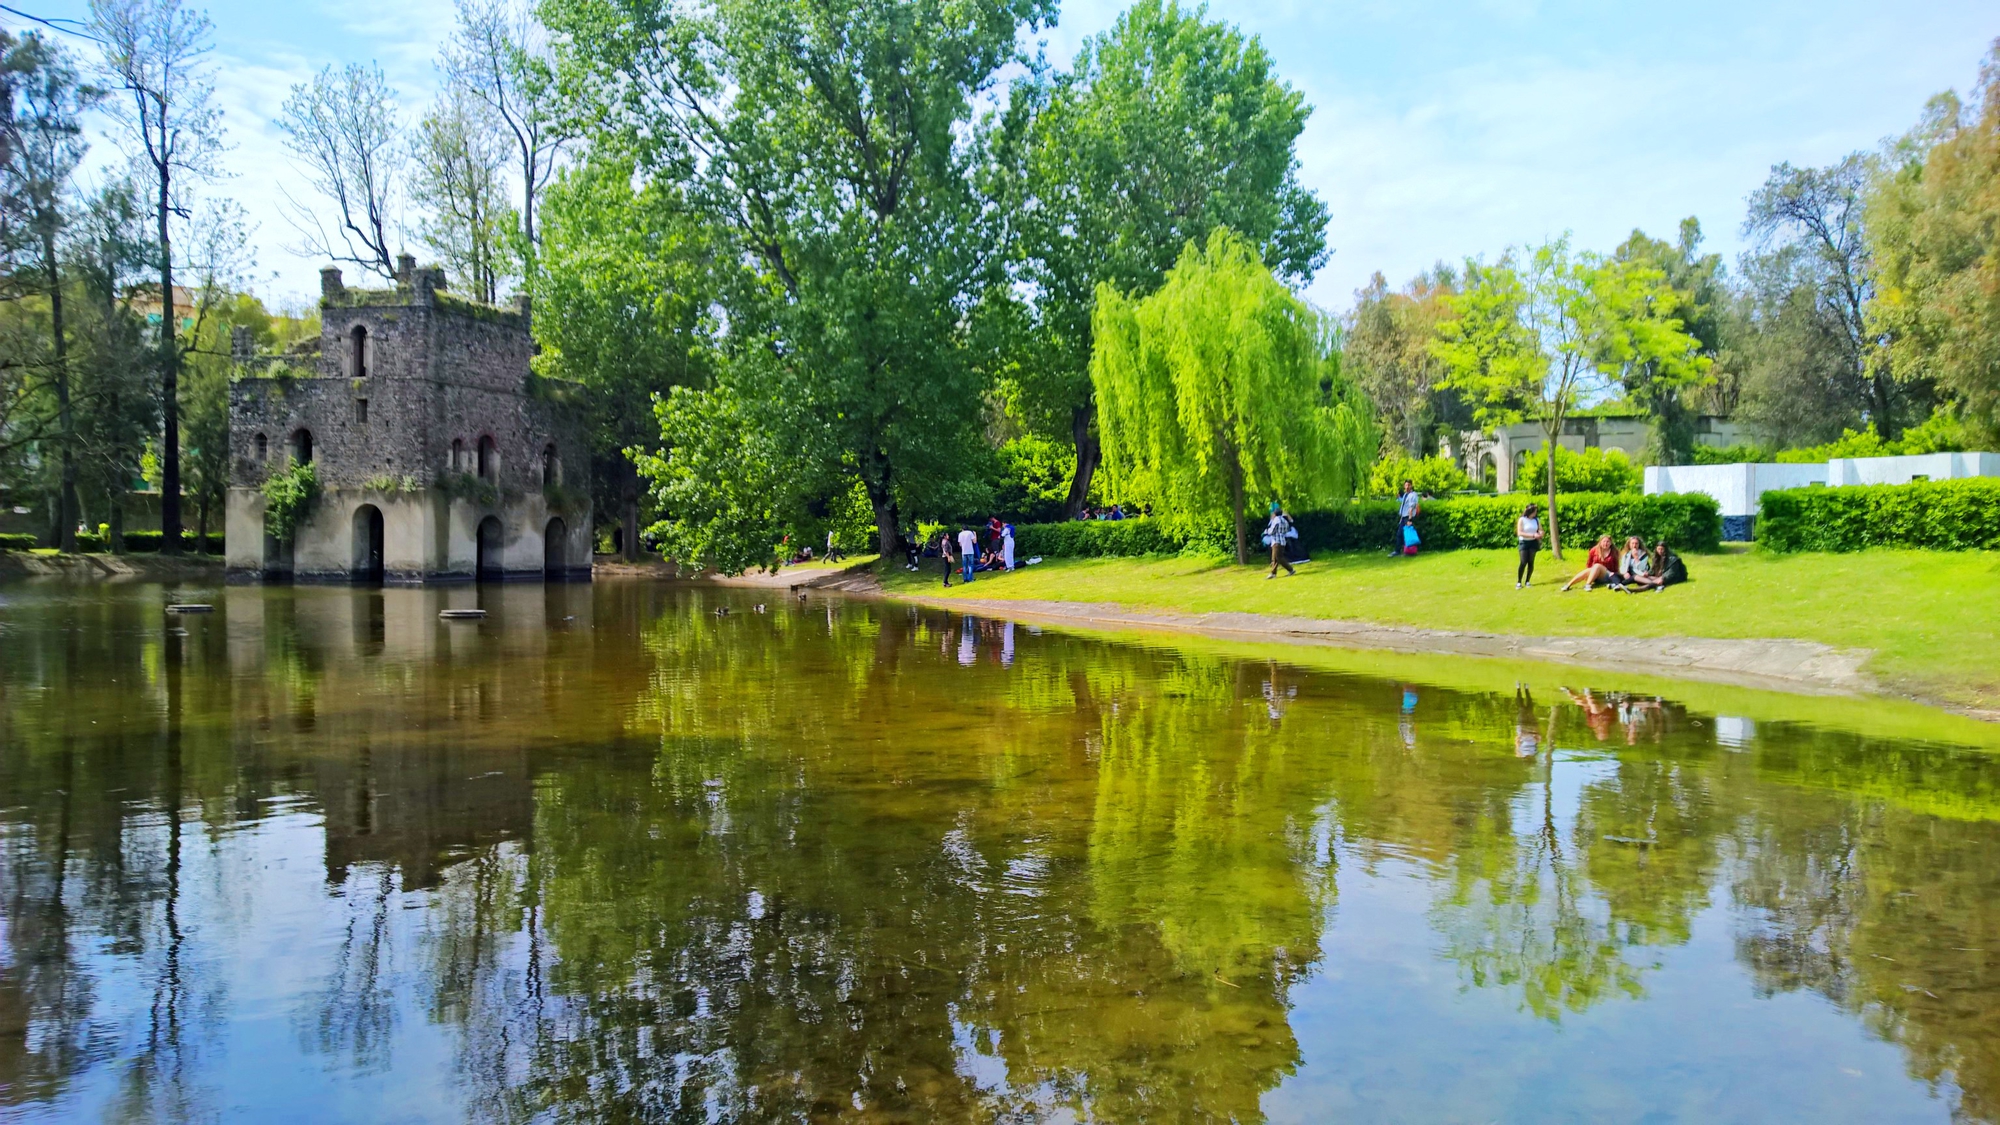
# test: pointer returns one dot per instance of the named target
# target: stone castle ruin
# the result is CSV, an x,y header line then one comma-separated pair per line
x,y
439,457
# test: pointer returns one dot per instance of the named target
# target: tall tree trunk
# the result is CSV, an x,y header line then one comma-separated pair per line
x,y
1236,501
1083,430
1555,534
885,523
115,529
1883,407
170,398
66,502
629,529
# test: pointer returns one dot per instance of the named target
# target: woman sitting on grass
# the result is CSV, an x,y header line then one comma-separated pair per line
x,y
1635,566
1598,566
1663,569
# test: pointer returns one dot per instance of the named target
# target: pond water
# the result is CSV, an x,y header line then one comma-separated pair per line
x,y
609,855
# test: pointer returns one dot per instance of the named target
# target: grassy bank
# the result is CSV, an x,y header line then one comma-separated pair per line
x,y
1932,619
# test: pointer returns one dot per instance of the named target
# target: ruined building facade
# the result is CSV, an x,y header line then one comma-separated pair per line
x,y
439,457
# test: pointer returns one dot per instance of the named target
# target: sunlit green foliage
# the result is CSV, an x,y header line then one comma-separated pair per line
x,y
1591,470
1223,389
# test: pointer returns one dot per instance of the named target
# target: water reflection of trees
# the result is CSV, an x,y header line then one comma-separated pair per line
x,y
834,858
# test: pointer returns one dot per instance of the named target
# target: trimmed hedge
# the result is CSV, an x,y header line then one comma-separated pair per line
x,y
19,542
1085,539
1944,515
1690,521
146,542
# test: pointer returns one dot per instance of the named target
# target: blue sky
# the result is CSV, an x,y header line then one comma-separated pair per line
x,y
1439,130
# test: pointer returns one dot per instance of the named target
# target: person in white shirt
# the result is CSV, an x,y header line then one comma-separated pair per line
x,y
1275,533
1007,545
968,551
1528,533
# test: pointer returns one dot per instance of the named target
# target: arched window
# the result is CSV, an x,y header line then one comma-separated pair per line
x,y
457,455
551,468
302,447
262,446
360,353
489,459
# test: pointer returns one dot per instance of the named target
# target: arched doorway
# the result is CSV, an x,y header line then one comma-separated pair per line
x,y
490,566
367,543
555,568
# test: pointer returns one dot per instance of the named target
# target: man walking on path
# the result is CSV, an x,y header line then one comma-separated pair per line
x,y
968,551
1408,504
1276,533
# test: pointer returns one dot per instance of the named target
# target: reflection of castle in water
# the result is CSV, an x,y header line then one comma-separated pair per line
x,y
415,732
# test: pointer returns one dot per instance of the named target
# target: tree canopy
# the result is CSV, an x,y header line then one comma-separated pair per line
x,y
1223,387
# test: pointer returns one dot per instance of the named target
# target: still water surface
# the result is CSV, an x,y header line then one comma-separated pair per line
x,y
610,856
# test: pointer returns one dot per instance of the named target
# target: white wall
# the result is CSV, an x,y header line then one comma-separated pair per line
x,y
1736,488
1902,470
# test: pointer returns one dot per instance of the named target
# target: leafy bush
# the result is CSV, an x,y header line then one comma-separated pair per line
x,y
1689,521
148,541
1731,455
288,495
19,542
1593,470
1433,476
1944,515
1083,539
1941,433
93,543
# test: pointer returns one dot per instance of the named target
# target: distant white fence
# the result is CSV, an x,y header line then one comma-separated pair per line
x,y
1738,489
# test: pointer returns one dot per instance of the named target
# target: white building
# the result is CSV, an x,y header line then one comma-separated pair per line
x,y
1739,489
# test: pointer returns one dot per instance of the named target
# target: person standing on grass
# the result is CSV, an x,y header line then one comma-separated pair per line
x,y
968,551
1276,533
944,553
1007,545
1528,533
1408,504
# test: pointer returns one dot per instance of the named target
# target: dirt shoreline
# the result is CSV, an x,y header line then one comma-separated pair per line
x,y
109,568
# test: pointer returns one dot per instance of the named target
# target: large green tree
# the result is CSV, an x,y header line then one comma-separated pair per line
x,y
829,142
1388,350
1167,127
1537,335
1935,231
1667,391
622,294
1223,386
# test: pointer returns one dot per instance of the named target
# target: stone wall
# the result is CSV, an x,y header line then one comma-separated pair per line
x,y
422,409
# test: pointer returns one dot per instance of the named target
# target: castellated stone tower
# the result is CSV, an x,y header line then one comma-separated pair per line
x,y
439,457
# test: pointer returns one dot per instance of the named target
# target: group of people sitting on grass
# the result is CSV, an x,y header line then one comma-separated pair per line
x,y
963,550
1635,571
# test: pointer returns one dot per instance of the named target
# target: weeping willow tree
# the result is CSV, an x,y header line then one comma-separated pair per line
x,y
1222,387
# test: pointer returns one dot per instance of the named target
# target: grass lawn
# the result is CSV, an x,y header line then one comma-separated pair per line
x,y
1931,618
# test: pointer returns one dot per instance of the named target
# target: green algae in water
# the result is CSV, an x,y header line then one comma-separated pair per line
x,y
606,855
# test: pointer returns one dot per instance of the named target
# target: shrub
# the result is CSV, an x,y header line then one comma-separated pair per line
x,y
1593,470
288,495
1433,476
93,542
1731,455
1945,515
19,542
1690,521
1940,433
1084,539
